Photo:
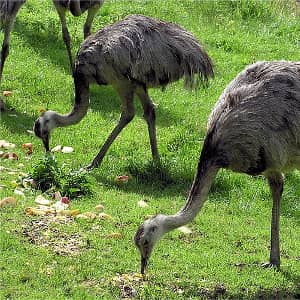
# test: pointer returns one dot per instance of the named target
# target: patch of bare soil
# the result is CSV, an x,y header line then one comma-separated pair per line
x,y
46,231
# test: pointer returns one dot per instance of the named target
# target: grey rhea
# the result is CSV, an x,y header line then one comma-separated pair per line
x,y
132,55
77,8
10,8
8,12
253,129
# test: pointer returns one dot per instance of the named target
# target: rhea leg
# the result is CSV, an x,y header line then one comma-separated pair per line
x,y
127,115
149,115
275,180
92,11
5,49
65,33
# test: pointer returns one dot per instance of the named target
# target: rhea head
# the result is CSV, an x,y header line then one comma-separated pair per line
x,y
43,125
147,236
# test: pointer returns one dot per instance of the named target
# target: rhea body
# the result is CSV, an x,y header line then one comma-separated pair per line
x,y
8,12
77,8
253,129
132,55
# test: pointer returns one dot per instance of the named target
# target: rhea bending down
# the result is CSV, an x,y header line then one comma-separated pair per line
x,y
131,55
253,129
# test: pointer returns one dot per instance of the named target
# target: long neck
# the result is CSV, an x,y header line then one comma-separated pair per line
x,y
81,104
205,175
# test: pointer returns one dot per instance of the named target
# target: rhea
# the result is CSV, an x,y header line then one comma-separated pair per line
x,y
10,8
77,8
253,129
8,12
132,55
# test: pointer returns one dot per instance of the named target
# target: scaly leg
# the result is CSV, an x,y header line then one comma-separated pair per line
x,y
5,50
92,11
149,115
65,33
128,112
275,180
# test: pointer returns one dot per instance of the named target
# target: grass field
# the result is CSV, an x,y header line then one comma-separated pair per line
x,y
41,258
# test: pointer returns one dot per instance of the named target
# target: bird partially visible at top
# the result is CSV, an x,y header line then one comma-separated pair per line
x,y
253,129
8,12
132,55
77,8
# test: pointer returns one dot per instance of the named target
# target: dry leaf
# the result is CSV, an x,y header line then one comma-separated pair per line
x,y
142,204
8,201
104,216
7,93
57,148
114,235
41,200
27,146
66,149
185,230
99,207
122,179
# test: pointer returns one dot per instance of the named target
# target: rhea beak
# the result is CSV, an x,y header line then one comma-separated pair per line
x,y
144,263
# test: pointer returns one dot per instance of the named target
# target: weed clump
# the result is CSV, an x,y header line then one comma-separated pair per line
x,y
49,175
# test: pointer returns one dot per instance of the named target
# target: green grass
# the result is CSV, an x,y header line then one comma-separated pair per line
x,y
230,238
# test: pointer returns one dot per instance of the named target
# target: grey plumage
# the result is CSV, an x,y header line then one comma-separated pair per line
x,y
8,12
77,8
132,55
145,50
254,129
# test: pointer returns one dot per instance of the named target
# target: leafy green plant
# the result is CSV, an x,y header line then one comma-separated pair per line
x,y
47,174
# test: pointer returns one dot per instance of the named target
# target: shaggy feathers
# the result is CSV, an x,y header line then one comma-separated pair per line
x,y
148,51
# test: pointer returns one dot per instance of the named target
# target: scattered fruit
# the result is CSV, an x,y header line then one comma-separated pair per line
x,y
8,201
41,200
104,216
11,156
6,145
27,146
56,148
66,149
143,204
185,230
7,93
87,215
99,207
65,200
114,235
122,179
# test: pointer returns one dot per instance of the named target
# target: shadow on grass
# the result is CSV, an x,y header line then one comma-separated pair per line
x,y
15,121
155,179
44,40
105,100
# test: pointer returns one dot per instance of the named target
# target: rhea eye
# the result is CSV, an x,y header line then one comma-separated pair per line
x,y
153,228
